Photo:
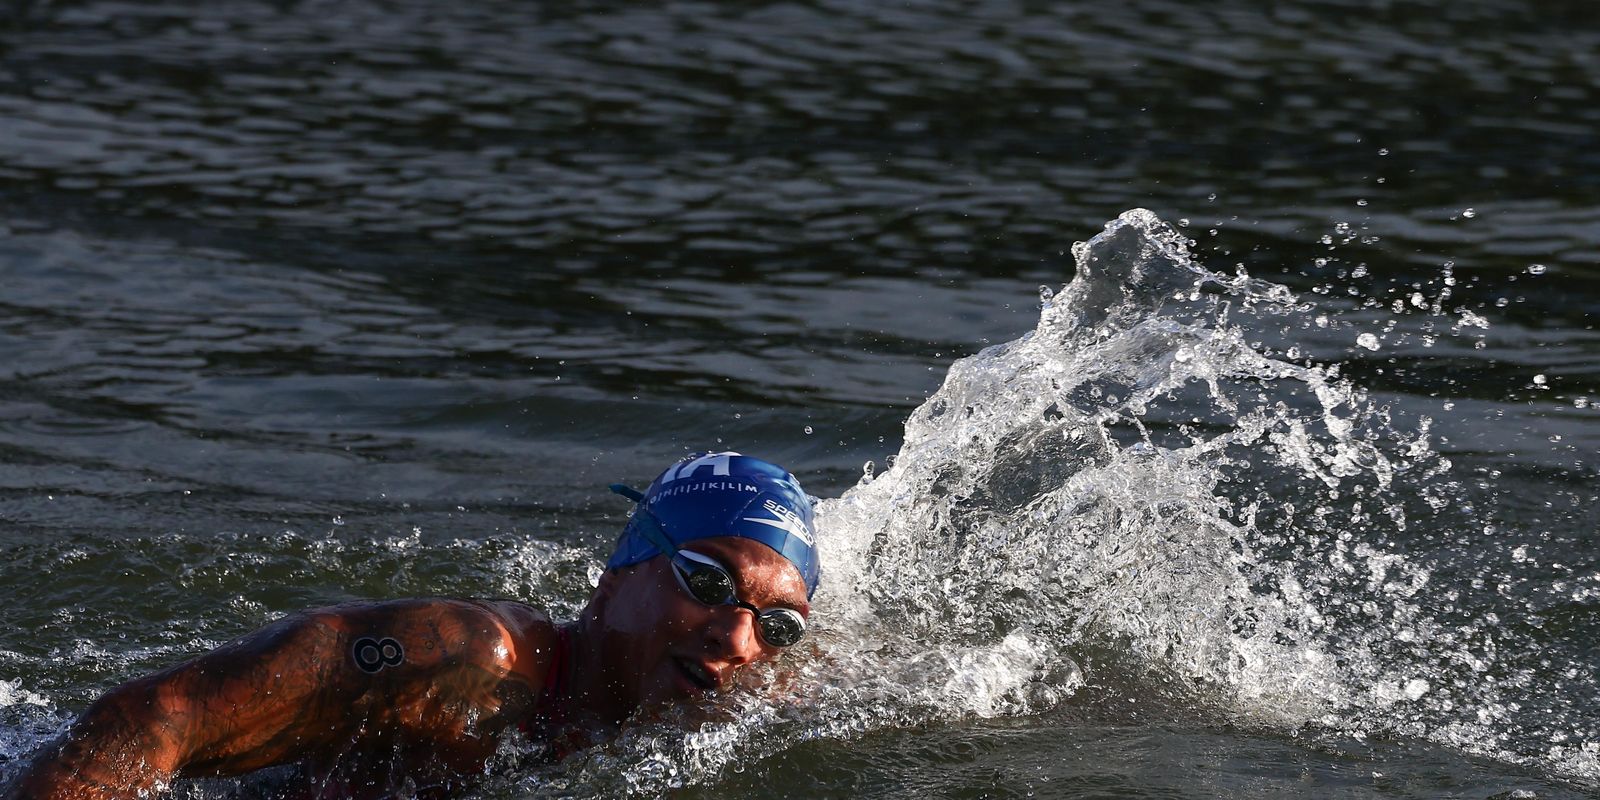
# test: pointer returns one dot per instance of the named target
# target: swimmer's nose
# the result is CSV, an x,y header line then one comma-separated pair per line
x,y
731,636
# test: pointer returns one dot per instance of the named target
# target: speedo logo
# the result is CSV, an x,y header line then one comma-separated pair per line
x,y
784,519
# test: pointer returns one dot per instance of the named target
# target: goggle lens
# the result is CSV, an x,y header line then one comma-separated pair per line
x,y
781,627
709,585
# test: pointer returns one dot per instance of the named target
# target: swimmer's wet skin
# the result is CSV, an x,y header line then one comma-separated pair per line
x,y
715,570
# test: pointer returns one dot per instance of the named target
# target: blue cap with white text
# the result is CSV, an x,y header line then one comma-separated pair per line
x,y
722,494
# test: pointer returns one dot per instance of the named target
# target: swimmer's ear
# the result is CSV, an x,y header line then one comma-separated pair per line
x,y
610,582
607,585
604,589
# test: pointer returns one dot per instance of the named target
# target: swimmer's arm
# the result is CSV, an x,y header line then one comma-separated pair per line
x,y
268,698
293,691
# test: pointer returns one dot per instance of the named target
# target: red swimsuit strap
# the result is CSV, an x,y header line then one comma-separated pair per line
x,y
555,684
555,677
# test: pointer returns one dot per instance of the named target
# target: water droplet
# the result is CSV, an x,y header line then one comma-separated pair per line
x,y
1046,294
1416,688
1361,202
1417,299
867,469
1536,269
338,520
1212,196
1580,402
809,430
1539,380
1368,341
1383,151
1469,213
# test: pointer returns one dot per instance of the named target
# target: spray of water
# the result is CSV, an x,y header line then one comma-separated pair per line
x,y
1124,483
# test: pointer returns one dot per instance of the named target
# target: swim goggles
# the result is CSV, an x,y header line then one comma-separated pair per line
x,y
710,583
707,581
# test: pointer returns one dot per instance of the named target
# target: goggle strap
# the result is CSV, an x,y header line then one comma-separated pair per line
x,y
651,528
627,491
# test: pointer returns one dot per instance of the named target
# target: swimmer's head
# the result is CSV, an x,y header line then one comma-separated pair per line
x,y
722,494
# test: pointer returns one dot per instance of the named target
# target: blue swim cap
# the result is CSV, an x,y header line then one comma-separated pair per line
x,y
722,494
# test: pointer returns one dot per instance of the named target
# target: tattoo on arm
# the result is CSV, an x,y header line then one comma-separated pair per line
x,y
372,655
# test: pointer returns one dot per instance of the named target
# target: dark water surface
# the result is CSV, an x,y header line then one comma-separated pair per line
x,y
309,301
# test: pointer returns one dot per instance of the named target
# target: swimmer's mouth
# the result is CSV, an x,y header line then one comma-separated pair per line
x,y
699,674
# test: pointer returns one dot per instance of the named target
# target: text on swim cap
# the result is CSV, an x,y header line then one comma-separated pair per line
x,y
707,486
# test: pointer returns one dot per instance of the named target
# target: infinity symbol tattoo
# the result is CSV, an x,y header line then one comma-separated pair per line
x,y
372,655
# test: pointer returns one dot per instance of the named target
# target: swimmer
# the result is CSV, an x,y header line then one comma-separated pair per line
x,y
714,571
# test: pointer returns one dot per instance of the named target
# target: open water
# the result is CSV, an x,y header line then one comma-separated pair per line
x,y
1291,491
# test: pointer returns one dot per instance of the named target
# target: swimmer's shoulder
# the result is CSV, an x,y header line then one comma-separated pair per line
x,y
503,637
531,638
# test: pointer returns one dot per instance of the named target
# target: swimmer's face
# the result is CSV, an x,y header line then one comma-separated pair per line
x,y
668,645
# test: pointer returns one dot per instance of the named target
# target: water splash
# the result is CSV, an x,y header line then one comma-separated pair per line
x,y
1063,488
